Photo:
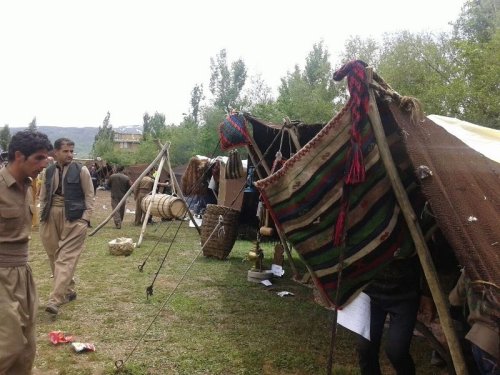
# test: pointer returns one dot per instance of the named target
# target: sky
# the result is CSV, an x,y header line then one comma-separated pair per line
x,y
69,62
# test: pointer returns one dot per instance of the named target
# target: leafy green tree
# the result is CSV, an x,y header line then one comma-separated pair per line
x,y
5,137
148,150
419,65
452,74
309,95
226,83
208,135
153,127
318,71
196,98
32,125
478,21
103,141
183,141
356,48
476,38
259,101
145,125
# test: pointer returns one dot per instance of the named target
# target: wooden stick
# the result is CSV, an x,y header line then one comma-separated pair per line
x,y
124,199
179,192
155,186
280,234
259,154
416,234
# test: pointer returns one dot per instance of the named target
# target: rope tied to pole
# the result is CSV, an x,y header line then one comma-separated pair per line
x,y
119,364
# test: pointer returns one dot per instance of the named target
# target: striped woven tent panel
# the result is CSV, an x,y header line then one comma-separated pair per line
x,y
304,198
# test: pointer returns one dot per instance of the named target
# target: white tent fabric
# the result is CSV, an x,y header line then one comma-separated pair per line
x,y
482,139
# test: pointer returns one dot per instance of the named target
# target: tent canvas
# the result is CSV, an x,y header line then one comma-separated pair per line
x,y
458,180
484,140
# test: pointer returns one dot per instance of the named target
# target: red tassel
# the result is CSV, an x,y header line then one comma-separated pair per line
x,y
340,226
357,171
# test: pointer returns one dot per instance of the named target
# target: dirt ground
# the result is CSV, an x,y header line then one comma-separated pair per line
x,y
102,207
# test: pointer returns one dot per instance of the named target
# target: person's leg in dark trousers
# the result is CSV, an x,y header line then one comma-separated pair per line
x,y
368,350
403,315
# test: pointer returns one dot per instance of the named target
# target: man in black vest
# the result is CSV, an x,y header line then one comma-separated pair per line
x,y
66,204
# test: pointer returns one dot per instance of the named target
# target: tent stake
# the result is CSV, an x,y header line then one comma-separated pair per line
x,y
416,233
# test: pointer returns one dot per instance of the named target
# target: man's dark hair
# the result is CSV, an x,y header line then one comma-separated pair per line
x,y
28,142
63,141
120,168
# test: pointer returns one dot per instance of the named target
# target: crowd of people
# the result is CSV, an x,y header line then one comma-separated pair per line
x,y
66,194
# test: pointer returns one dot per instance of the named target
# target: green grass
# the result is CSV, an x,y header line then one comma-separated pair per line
x,y
216,322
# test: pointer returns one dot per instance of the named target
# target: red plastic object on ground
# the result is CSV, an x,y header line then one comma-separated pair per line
x,y
57,337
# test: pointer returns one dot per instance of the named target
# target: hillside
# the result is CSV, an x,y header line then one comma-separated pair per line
x,y
83,137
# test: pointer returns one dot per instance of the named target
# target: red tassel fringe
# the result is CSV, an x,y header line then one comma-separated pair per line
x,y
357,171
338,236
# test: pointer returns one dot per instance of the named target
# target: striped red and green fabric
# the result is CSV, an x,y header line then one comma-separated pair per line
x,y
305,196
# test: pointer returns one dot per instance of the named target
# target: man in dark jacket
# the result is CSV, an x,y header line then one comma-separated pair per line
x,y
394,292
66,205
119,184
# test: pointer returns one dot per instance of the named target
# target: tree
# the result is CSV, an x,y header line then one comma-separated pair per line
x,y
145,125
356,48
258,100
420,65
148,150
103,141
208,135
476,39
32,125
196,98
478,21
318,71
257,92
153,127
5,137
309,95
184,141
226,84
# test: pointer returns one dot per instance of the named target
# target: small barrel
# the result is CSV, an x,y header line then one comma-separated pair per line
x,y
165,206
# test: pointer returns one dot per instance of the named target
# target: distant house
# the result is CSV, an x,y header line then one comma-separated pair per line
x,y
127,138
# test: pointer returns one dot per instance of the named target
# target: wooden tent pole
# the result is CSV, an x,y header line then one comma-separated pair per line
x,y
417,235
259,154
148,211
179,191
136,182
280,234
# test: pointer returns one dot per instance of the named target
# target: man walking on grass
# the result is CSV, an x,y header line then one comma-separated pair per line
x,y
66,204
27,157
119,184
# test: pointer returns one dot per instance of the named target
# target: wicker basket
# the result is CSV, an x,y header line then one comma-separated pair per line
x,y
121,246
221,242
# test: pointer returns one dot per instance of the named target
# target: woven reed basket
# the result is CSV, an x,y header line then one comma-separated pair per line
x,y
222,241
121,246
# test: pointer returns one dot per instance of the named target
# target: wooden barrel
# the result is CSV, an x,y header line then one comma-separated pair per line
x,y
164,205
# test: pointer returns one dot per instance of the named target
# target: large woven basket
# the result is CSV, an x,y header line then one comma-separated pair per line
x,y
222,240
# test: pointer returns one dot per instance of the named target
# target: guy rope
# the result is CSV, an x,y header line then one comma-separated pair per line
x,y
217,231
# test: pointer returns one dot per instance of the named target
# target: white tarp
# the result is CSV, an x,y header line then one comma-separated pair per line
x,y
482,139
